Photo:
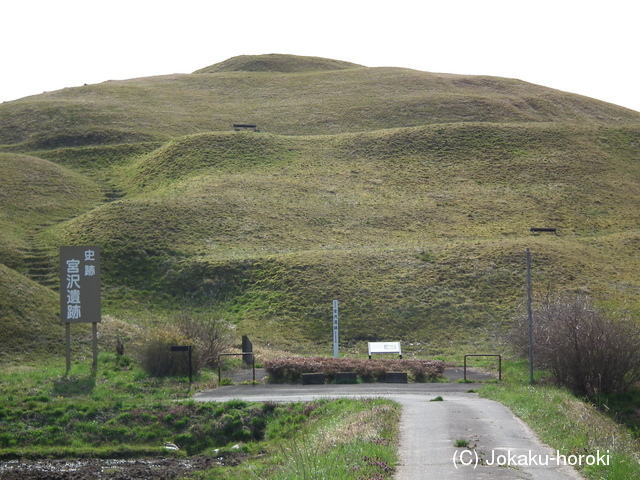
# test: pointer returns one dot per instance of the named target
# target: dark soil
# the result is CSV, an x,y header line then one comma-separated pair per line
x,y
93,469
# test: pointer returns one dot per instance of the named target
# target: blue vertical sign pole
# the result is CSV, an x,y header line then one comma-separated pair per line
x,y
335,329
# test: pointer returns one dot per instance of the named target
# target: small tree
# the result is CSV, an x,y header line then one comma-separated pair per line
x,y
584,349
207,335
156,357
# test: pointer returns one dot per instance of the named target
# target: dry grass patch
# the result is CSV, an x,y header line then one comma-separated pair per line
x,y
365,425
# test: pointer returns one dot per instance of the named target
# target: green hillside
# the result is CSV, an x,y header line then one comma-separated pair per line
x,y
406,195
277,63
35,193
305,102
28,313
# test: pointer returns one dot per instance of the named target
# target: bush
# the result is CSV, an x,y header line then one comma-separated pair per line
x,y
207,335
584,349
156,357
290,369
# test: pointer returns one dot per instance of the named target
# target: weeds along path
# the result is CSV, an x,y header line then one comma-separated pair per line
x,y
493,442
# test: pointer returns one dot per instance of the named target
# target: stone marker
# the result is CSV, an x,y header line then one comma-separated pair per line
x,y
313,378
396,377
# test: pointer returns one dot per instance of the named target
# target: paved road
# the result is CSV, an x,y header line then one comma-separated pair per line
x,y
428,430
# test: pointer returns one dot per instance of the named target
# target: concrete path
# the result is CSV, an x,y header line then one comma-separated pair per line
x,y
500,445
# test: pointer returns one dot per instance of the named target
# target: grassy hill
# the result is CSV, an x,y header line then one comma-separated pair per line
x,y
308,101
28,314
406,195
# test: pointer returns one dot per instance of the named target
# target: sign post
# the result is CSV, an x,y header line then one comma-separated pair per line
x,y
80,293
185,348
335,329
529,317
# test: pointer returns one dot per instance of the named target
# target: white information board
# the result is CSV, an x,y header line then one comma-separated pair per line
x,y
385,347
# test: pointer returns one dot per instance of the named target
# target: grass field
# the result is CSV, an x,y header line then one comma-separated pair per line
x,y
408,196
120,413
571,425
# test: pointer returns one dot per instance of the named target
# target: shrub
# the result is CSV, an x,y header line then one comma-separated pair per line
x,y
290,369
207,335
584,349
158,360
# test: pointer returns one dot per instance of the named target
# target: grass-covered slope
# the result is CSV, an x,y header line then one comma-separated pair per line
x,y
276,63
406,195
299,101
36,193
28,316
430,183
420,232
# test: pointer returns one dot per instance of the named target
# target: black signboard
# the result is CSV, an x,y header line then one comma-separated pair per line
x,y
80,285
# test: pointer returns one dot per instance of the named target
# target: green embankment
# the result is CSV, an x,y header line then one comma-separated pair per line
x,y
406,195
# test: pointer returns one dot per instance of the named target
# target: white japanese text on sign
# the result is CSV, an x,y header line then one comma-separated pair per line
x,y
80,284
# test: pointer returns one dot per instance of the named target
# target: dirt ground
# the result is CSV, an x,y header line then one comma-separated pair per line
x,y
92,469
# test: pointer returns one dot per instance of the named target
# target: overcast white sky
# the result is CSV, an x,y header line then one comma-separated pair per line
x,y
589,48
